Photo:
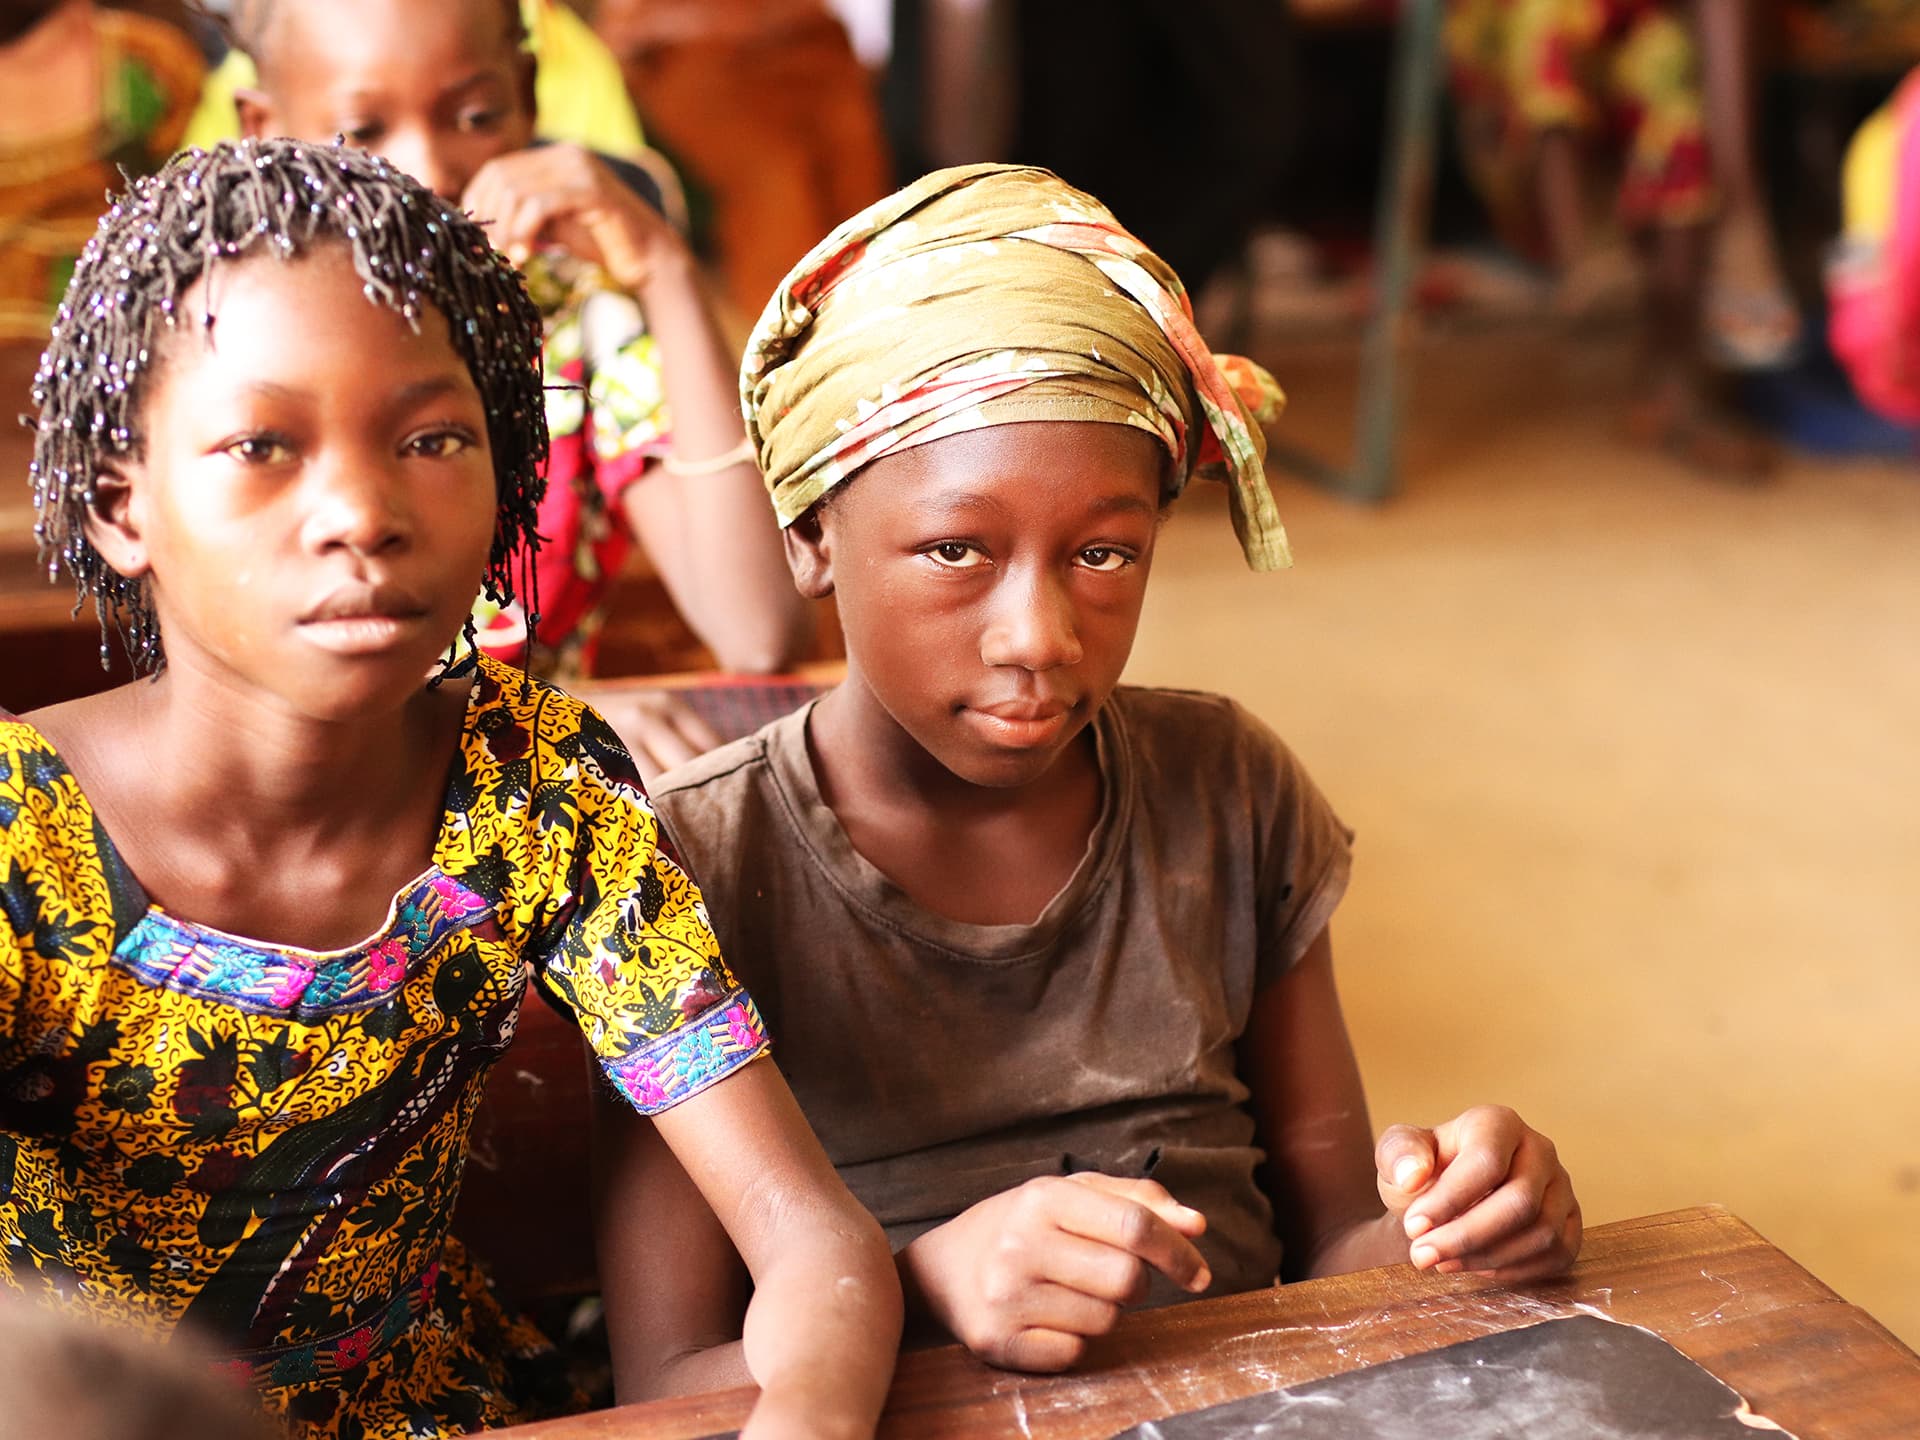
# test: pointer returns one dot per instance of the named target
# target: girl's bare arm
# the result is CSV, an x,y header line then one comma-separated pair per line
x,y
735,1168
1483,1191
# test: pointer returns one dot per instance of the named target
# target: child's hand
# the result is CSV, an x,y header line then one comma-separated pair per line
x,y
1485,1193
659,729
562,195
1023,1278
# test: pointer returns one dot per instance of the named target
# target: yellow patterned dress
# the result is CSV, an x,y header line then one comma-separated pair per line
x,y
265,1143
1625,70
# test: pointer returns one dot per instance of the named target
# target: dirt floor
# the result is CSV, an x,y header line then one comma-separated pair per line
x,y
1632,759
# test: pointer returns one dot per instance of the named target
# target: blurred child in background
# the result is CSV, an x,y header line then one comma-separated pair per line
x,y
1546,88
579,96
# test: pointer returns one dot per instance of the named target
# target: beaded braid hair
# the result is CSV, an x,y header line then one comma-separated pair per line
x,y
279,198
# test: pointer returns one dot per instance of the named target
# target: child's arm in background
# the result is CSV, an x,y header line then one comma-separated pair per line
x,y
712,535
736,1163
1482,1192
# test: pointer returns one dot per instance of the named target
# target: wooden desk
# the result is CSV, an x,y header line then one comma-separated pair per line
x,y
1701,1279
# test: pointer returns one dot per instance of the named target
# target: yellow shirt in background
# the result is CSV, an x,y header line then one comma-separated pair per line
x,y
578,89
1866,177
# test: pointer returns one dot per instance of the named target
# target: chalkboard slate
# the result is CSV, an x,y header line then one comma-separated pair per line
x,y
1581,1378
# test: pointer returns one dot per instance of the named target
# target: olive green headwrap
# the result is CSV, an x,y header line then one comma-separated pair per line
x,y
984,295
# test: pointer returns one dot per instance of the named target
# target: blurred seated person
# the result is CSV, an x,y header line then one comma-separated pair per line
x,y
89,92
579,93
1751,320
768,108
1874,277
1554,93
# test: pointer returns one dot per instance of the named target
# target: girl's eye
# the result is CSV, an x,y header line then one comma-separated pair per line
x,y
439,444
1104,558
955,555
260,450
361,132
479,119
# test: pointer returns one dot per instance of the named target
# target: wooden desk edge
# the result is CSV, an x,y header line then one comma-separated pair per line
x,y
1611,1252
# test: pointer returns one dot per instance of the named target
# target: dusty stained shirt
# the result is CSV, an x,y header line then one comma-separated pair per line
x,y
942,1062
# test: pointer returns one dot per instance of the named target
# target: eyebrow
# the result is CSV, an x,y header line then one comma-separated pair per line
x,y
486,76
431,387
1124,504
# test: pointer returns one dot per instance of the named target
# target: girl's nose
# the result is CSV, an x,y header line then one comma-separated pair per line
x,y
357,506
1033,623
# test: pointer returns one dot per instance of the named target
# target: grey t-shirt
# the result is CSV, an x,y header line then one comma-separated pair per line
x,y
942,1062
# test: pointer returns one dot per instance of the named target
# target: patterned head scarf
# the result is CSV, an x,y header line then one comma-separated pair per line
x,y
984,295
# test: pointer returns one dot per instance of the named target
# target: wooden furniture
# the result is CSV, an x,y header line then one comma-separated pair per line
x,y
46,653
1701,1279
1399,244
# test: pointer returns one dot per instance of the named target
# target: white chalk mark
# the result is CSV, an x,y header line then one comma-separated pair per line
x,y
1752,1421
1713,1312
1020,1415
1153,1389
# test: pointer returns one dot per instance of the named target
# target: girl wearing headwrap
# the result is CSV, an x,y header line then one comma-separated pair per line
x,y
1048,955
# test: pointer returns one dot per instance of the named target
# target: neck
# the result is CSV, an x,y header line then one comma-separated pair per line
x,y
272,776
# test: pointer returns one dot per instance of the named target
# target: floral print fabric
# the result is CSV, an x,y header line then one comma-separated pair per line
x,y
1629,68
607,421
265,1143
989,294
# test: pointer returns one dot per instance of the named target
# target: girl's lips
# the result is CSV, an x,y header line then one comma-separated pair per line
x,y
1022,726
361,634
360,600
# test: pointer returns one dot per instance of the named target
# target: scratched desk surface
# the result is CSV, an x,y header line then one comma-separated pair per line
x,y
1701,1279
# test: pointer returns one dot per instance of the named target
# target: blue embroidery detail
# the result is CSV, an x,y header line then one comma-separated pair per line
x,y
685,1061
170,954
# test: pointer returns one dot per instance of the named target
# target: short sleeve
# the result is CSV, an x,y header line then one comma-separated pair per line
x,y
1303,853
632,953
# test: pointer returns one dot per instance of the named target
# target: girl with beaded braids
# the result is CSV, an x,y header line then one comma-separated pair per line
x,y
642,408
267,917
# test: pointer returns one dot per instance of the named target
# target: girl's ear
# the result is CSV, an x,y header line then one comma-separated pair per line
x,y
256,113
113,524
809,555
